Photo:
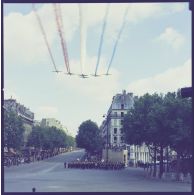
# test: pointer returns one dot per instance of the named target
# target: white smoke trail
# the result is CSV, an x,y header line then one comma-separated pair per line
x,y
102,37
83,33
118,38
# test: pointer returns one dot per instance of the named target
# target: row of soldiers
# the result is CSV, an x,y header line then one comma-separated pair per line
x,y
95,165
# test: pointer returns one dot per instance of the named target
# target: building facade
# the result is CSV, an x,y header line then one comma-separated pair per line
x,y
121,104
51,122
11,105
112,128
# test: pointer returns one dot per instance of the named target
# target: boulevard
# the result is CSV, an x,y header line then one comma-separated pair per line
x,y
50,176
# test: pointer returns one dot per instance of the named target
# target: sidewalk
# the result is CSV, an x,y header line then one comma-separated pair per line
x,y
170,176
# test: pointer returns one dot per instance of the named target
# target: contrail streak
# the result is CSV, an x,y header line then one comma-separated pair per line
x,y
59,25
102,36
62,29
118,37
44,36
82,38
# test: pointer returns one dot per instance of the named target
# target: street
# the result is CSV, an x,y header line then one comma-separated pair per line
x,y
50,176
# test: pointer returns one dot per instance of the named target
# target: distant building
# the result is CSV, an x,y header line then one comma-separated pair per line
x,y
11,105
51,122
112,132
121,104
20,110
37,123
138,153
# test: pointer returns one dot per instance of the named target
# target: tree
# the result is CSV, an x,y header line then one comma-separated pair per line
x,y
161,122
47,138
13,130
35,138
160,128
181,127
70,141
138,127
89,137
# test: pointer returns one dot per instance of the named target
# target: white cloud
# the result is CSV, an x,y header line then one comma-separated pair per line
x,y
92,87
170,80
24,43
171,37
11,94
137,12
46,112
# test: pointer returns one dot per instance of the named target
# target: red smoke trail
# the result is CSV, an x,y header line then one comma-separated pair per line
x,y
59,27
44,35
64,41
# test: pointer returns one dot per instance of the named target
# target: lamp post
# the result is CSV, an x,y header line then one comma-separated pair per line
x,y
107,120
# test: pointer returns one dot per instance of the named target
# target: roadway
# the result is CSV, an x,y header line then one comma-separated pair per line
x,y
50,176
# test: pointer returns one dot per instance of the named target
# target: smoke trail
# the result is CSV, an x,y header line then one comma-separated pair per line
x,y
82,38
62,30
102,36
44,36
118,37
61,36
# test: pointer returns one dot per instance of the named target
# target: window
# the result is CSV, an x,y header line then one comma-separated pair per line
x,y
121,130
121,122
122,114
115,122
122,106
115,130
115,113
115,138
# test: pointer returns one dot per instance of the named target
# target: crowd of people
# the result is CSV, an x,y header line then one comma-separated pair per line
x,y
95,165
29,156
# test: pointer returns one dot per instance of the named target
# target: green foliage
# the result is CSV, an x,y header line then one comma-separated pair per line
x,y
89,137
13,130
70,141
35,138
161,121
138,126
47,138
180,123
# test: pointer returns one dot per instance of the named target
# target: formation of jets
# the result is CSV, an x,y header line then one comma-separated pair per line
x,y
65,53
83,76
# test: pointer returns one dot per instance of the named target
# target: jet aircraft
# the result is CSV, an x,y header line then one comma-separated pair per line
x,y
57,71
96,75
107,74
84,76
69,73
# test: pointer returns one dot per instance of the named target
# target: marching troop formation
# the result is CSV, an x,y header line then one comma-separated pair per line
x,y
95,165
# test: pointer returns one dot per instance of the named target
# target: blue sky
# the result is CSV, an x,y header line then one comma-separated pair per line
x,y
153,55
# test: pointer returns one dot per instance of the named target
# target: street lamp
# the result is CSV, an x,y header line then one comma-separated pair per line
x,y
107,120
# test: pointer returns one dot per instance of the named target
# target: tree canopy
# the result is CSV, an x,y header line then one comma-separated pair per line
x,y
89,137
49,138
161,121
13,130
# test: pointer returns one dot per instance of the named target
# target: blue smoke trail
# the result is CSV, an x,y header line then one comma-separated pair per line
x,y
118,37
102,36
